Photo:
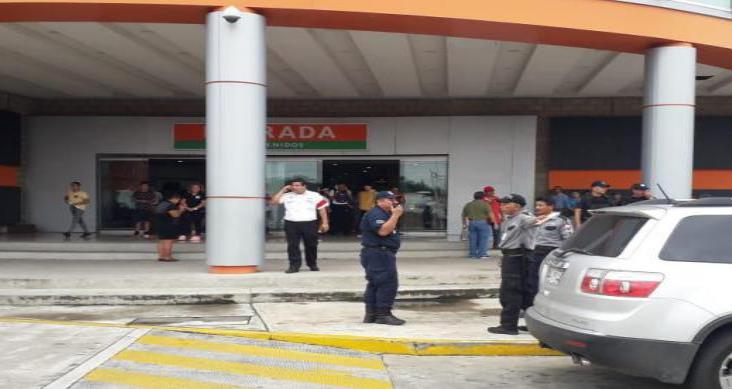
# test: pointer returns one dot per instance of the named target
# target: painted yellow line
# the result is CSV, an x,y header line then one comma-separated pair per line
x,y
148,381
315,376
59,322
397,346
493,349
361,343
259,351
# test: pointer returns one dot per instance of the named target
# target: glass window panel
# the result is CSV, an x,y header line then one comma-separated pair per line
x,y
117,181
424,184
277,173
605,235
701,238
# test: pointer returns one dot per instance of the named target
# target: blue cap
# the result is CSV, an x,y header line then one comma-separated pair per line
x,y
385,195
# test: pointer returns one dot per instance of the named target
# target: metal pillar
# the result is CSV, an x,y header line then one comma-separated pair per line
x,y
668,119
235,138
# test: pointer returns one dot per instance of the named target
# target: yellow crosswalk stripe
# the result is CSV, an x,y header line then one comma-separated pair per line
x,y
315,376
260,351
148,381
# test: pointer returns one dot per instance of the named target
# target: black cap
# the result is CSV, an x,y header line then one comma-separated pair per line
x,y
514,198
600,183
639,186
385,195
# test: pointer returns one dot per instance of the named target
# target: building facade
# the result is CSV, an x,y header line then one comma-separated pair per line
x,y
102,85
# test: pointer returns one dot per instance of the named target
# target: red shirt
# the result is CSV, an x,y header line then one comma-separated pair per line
x,y
495,206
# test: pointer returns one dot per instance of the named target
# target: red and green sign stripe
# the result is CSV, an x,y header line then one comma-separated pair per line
x,y
192,136
345,145
190,144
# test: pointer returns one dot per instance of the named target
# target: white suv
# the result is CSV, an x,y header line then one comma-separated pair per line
x,y
647,289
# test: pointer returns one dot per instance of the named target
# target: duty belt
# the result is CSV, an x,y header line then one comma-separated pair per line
x,y
515,252
385,248
544,249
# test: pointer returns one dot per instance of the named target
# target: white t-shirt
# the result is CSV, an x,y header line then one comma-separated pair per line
x,y
302,207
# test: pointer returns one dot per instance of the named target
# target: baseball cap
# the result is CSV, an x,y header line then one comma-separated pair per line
x,y
600,183
514,198
640,186
489,189
385,195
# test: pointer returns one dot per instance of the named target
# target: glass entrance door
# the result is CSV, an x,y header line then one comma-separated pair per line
x,y
379,174
422,181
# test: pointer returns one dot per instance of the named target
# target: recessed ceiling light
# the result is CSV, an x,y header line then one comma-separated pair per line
x,y
180,161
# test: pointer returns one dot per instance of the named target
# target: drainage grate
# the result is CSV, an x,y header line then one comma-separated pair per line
x,y
195,321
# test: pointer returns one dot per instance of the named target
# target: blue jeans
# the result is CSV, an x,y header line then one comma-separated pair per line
x,y
479,237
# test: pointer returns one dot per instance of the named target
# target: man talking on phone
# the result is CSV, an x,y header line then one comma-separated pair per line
x,y
380,241
301,222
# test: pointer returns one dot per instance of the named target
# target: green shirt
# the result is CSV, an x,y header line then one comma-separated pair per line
x,y
476,210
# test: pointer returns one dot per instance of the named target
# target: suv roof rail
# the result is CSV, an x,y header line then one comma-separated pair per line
x,y
708,202
657,202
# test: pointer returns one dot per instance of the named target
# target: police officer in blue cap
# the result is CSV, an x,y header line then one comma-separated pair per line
x,y
380,241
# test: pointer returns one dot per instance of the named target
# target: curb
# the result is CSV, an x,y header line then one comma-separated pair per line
x,y
392,346
87,297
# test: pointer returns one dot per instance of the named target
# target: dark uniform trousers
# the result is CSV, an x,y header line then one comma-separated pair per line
x,y
308,233
381,274
514,271
342,219
193,219
532,274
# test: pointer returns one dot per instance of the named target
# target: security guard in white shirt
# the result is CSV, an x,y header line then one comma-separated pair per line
x,y
301,222
517,245
552,231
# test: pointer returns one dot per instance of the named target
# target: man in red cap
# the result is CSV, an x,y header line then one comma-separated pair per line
x,y
495,203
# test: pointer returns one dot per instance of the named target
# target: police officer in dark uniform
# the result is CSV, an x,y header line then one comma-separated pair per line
x,y
639,192
596,199
380,241
518,231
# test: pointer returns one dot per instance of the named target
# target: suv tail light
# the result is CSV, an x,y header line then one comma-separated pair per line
x,y
620,283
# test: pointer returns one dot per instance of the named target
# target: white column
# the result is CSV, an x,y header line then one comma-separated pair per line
x,y
668,119
235,140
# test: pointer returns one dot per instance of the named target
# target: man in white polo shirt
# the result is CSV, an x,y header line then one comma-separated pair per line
x,y
301,222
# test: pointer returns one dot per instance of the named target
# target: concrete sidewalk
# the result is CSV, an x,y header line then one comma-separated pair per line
x,y
454,326
87,282
124,247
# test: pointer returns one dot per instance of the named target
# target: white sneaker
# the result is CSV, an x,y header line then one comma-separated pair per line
x,y
196,239
182,238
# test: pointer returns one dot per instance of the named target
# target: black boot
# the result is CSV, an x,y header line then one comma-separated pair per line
x,y
370,315
291,270
384,316
501,330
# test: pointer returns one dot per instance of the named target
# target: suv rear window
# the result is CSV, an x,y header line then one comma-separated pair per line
x,y
605,234
701,238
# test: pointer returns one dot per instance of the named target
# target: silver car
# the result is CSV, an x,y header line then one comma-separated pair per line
x,y
646,289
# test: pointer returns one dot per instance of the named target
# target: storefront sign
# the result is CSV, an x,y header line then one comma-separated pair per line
x,y
290,136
